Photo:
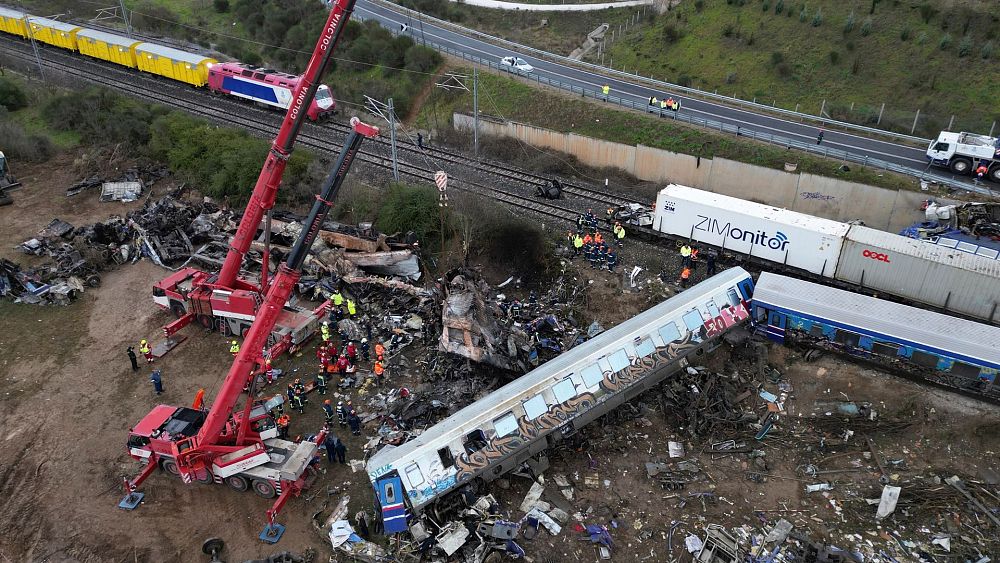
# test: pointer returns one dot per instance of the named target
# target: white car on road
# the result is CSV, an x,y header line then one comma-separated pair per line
x,y
516,64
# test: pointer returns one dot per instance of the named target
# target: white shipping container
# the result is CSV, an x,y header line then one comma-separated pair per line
x,y
922,272
795,239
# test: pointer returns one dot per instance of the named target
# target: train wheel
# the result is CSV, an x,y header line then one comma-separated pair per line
x,y
264,489
170,466
238,483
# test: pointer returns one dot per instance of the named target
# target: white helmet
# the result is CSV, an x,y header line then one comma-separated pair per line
x,y
326,323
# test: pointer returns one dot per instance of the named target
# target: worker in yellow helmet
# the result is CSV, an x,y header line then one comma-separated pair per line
x,y
234,348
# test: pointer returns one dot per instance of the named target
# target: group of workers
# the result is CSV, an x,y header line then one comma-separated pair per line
x,y
663,105
690,256
589,241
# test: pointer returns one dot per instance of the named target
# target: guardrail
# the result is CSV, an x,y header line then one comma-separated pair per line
x,y
657,84
737,130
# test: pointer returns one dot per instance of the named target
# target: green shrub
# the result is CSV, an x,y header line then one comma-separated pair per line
x,y
922,38
817,18
927,12
699,5
12,96
766,6
409,208
803,14
19,145
945,42
905,34
779,6
221,6
849,24
777,58
834,57
671,33
965,46
102,116
866,26
987,50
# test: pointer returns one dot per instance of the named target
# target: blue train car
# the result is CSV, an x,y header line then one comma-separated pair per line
x,y
944,350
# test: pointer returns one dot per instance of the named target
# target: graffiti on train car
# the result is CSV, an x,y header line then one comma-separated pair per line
x,y
615,382
528,430
727,318
437,484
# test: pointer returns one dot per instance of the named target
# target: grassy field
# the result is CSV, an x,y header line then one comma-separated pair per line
x,y
507,98
939,57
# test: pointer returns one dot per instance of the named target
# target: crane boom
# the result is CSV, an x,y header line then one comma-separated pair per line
x,y
266,188
281,288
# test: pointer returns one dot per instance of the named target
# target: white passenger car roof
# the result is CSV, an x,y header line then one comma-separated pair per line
x,y
8,13
927,328
504,399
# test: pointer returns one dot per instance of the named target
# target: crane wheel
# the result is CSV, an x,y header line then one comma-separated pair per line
x,y
170,466
213,546
961,166
238,483
264,489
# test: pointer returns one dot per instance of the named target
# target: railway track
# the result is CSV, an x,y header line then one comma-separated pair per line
x,y
465,173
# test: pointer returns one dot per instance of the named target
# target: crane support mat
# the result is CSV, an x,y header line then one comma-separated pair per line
x,y
161,348
131,501
272,533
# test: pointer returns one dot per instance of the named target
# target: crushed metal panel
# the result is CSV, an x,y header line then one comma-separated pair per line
x,y
121,191
469,326
719,547
452,537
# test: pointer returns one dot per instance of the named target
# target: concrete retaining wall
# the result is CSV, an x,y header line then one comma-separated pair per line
x,y
807,193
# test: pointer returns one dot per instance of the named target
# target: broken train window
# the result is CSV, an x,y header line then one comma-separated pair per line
x,y
447,459
475,441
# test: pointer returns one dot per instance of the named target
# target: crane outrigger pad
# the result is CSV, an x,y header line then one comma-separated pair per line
x,y
271,533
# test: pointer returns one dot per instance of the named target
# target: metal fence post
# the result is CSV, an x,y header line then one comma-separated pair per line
x,y
991,128
952,122
879,122
915,118
822,108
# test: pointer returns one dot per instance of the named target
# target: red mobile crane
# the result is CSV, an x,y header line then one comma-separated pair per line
x,y
226,302
241,448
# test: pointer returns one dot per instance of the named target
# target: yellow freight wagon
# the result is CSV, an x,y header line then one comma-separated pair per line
x,y
174,64
56,33
107,47
12,22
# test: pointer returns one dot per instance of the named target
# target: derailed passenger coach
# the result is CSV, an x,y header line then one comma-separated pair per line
x,y
515,424
956,353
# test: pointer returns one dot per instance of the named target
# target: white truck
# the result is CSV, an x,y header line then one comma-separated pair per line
x,y
964,152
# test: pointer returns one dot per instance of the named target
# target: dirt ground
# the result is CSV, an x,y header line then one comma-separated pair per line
x,y
69,398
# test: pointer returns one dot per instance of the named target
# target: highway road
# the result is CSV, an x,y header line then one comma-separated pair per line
x,y
747,120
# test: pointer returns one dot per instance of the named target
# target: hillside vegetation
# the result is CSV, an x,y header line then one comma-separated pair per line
x,y
939,57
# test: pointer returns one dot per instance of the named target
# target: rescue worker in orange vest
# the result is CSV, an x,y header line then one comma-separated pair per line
x,y
981,170
598,239
379,370
685,276
199,400
283,422
587,239
379,350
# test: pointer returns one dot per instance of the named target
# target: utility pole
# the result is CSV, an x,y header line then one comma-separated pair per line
x,y
475,111
392,138
128,23
34,46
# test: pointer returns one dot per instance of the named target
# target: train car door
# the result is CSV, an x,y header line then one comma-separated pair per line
x,y
746,289
390,497
776,324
